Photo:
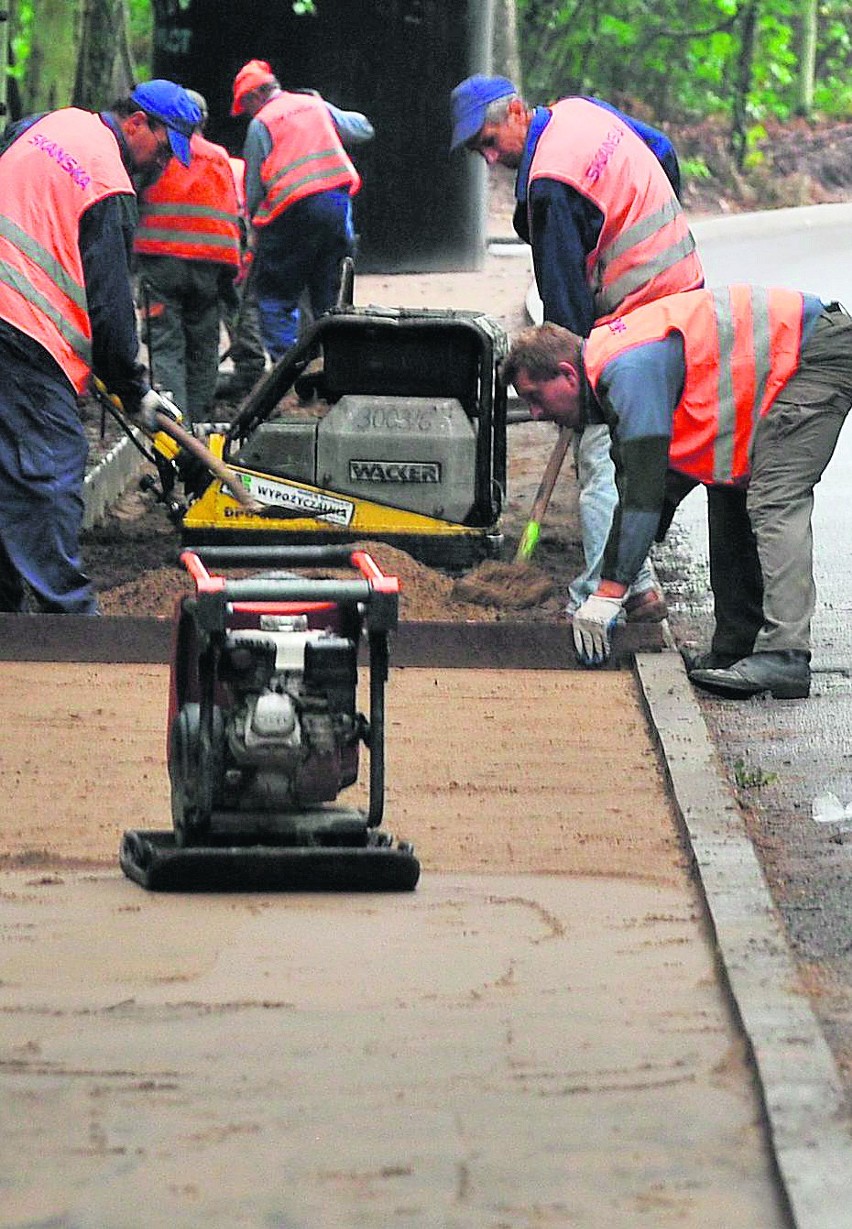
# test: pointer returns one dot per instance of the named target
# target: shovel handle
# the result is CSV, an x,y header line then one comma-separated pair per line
x,y
214,464
532,530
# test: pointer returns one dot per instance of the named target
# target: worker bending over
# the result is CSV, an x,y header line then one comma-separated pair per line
x,y
187,241
734,387
299,185
597,200
68,182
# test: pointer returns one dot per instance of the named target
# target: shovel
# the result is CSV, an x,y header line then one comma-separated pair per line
x,y
532,530
214,465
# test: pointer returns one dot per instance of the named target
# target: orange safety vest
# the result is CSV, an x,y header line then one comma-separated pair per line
x,y
238,170
645,249
741,346
49,176
192,211
307,154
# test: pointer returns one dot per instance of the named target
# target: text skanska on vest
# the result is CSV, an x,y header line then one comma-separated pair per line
x,y
66,161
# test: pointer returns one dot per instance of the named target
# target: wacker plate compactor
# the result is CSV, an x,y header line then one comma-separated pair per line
x,y
383,424
264,729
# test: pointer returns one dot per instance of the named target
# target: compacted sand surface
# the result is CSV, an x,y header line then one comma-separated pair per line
x,y
535,1036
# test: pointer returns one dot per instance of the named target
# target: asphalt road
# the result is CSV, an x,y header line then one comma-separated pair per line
x,y
782,755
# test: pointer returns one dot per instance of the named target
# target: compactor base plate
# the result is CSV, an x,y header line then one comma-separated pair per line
x,y
156,862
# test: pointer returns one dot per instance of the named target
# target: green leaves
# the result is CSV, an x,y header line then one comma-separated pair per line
x,y
689,59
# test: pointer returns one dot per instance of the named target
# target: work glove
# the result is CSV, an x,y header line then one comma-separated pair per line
x,y
152,404
593,624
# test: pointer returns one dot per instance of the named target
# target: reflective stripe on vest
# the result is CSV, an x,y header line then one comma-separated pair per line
x,y
307,155
192,213
645,249
77,338
53,172
741,346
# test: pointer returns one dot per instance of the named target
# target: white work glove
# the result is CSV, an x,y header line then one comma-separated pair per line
x,y
152,404
593,624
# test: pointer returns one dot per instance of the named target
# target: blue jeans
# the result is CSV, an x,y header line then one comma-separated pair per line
x,y
43,450
598,499
300,253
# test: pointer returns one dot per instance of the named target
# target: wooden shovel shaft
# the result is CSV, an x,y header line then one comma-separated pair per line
x,y
529,537
215,465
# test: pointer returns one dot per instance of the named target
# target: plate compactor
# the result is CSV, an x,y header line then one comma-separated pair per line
x,y
264,729
384,424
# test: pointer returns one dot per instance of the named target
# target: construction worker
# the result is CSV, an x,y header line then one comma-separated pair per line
x,y
734,387
68,209
299,185
238,305
597,200
187,240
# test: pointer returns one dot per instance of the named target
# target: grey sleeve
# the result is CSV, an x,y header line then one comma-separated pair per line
x,y
353,128
256,149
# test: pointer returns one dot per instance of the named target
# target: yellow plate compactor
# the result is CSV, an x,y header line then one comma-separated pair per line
x,y
384,424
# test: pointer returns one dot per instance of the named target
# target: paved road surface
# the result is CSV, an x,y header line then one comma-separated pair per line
x,y
800,748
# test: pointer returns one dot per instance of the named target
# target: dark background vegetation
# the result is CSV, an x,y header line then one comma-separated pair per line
x,y
756,93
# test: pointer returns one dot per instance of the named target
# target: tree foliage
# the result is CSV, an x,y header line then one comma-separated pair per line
x,y
745,60
85,52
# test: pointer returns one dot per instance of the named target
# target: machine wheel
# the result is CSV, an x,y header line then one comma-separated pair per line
x,y
193,790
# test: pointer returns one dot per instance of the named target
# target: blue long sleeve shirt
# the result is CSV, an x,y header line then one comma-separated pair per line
x,y
563,226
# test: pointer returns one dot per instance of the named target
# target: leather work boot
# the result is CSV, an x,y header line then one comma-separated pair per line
x,y
709,660
647,607
786,675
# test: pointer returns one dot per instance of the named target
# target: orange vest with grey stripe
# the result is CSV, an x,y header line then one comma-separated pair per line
x,y
645,249
49,176
192,212
741,346
307,154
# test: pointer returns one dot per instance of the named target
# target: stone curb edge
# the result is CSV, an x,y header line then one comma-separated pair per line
x,y
802,1092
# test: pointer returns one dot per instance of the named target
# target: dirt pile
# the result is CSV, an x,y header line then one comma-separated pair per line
x,y
509,586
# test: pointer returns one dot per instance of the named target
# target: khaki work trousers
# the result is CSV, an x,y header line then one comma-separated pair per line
x,y
792,445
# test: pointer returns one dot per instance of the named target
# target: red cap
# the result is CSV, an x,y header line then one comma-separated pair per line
x,y
250,76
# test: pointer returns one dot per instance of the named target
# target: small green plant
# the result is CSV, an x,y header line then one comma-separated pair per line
x,y
694,168
752,778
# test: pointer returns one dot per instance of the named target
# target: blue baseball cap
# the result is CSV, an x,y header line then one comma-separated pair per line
x,y
172,106
469,102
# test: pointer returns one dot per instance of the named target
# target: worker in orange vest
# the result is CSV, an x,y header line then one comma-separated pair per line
x,y
299,185
187,241
68,183
597,200
238,304
737,387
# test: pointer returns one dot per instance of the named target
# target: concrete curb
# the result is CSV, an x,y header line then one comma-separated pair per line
x,y
110,479
801,1088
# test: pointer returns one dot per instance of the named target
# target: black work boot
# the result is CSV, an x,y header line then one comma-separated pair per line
x,y
710,659
785,674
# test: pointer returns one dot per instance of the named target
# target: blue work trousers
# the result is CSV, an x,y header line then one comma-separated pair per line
x,y
43,450
299,253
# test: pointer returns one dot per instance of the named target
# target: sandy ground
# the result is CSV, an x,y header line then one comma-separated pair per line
x,y
535,1037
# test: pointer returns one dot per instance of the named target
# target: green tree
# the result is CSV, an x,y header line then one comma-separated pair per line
x,y
80,52
744,60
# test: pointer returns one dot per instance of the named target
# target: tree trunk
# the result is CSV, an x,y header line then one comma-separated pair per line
x,y
507,60
54,37
742,82
807,59
104,64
